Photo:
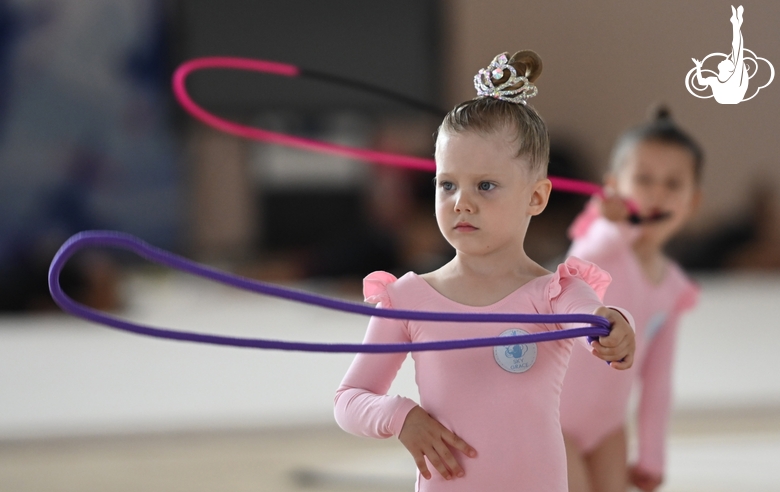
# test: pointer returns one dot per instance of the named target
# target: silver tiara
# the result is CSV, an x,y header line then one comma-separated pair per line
x,y
483,82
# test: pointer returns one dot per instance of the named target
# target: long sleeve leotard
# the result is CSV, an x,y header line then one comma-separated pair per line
x,y
503,401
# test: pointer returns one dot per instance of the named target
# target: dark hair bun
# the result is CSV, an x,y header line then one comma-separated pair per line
x,y
660,113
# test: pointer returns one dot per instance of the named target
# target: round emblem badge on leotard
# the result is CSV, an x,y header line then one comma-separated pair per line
x,y
654,324
515,358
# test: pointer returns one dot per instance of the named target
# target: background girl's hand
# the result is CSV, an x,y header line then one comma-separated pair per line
x,y
613,207
425,437
644,481
618,347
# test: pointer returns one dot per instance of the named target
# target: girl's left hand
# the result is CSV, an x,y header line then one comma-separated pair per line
x,y
618,347
644,481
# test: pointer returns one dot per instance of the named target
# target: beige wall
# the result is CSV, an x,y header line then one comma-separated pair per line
x,y
606,62
224,217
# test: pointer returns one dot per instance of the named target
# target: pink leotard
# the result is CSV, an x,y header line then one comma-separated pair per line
x,y
595,399
510,417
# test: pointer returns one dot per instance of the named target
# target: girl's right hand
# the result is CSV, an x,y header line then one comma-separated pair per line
x,y
613,207
425,437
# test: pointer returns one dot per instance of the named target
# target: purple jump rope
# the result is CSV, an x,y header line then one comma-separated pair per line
x,y
598,326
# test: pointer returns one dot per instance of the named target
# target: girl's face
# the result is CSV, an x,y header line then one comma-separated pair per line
x,y
485,194
659,178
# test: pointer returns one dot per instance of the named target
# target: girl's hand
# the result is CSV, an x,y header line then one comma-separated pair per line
x,y
644,481
697,62
425,437
613,207
618,347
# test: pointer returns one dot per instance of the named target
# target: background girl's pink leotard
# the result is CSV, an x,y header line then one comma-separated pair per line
x,y
595,398
510,418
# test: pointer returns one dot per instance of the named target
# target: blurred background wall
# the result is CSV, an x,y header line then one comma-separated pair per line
x,y
90,136
87,139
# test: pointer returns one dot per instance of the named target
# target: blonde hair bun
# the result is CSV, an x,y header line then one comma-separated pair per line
x,y
527,63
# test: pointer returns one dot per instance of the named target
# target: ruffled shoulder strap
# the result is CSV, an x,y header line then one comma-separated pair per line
x,y
689,298
375,288
574,267
584,220
689,295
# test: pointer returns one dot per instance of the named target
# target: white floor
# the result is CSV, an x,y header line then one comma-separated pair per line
x,y
719,463
60,376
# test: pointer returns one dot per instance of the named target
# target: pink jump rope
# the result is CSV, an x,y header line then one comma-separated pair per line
x,y
376,157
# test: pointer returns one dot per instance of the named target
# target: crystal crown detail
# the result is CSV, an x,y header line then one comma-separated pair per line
x,y
485,78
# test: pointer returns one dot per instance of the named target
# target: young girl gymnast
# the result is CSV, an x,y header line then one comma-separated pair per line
x,y
488,418
658,167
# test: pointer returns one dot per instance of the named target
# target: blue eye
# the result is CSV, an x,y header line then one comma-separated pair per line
x,y
486,186
446,186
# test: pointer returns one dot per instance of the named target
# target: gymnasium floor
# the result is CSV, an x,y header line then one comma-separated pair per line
x,y
84,408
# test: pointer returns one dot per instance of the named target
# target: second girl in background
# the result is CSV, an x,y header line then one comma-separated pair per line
x,y
658,167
